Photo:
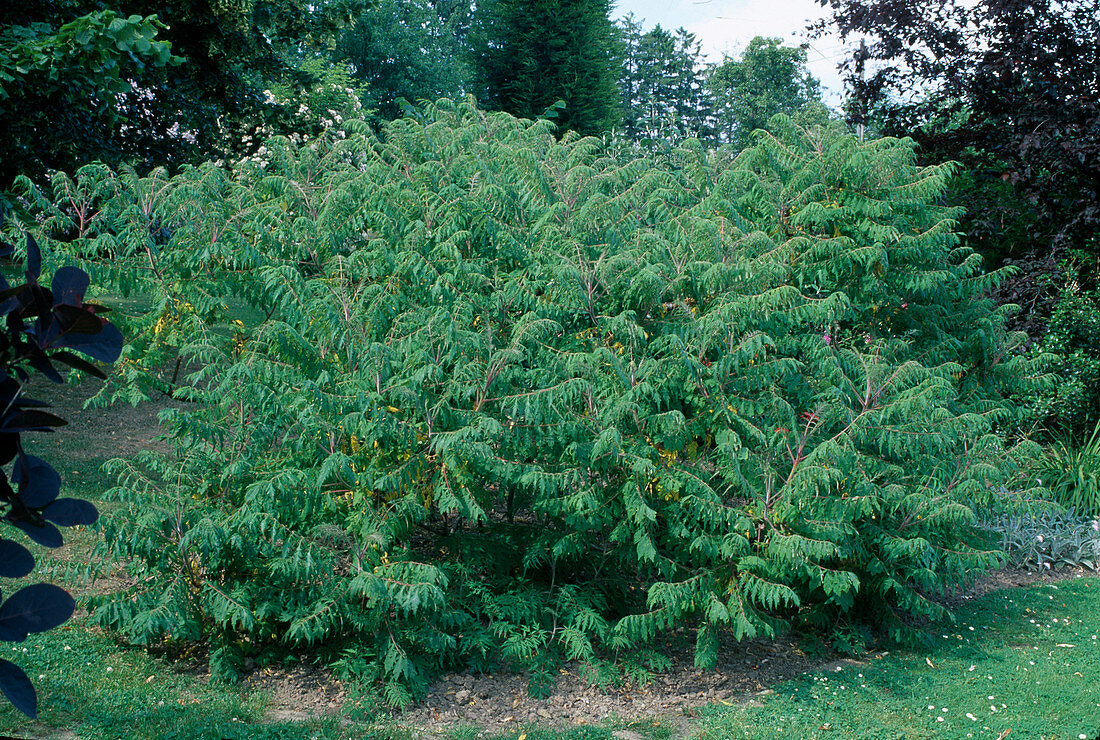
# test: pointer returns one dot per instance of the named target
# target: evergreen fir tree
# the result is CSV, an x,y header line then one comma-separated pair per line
x,y
533,53
661,80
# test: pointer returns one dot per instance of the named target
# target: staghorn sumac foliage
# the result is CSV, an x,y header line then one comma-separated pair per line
x,y
503,399
42,326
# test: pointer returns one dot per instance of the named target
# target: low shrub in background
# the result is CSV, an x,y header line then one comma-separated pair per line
x,y
1040,540
1073,335
504,400
1070,471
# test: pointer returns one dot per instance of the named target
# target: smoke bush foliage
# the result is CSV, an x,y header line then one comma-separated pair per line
x,y
504,399
43,326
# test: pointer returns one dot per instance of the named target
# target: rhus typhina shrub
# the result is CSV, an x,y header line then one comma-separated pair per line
x,y
42,328
505,399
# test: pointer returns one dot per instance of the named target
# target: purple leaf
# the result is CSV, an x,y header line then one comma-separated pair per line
x,y
36,608
8,305
69,285
34,259
25,420
18,688
9,446
15,560
105,346
44,534
40,362
78,362
38,482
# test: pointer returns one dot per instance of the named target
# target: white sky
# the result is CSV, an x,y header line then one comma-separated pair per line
x,y
727,26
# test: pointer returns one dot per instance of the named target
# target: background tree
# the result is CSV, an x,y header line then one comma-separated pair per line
x,y
129,102
769,78
408,49
55,80
662,84
529,54
1010,88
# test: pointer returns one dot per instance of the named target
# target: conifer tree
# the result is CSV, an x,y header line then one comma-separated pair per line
x,y
661,81
530,54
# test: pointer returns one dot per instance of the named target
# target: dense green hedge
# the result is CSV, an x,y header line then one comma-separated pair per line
x,y
503,399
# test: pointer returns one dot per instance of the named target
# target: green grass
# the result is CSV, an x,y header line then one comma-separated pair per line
x,y
1035,651
1024,660
92,688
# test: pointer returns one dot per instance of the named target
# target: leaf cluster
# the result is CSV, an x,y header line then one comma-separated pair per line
x,y
42,326
72,75
467,394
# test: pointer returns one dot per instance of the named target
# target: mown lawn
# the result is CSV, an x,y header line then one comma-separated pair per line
x,y
1020,663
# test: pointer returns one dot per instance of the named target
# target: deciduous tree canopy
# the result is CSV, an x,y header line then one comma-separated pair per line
x,y
408,49
1011,88
84,83
768,79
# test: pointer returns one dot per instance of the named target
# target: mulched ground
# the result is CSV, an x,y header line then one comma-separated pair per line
x,y
745,670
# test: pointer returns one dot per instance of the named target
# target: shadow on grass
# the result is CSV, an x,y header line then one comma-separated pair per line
x,y
89,686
